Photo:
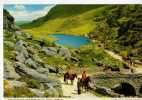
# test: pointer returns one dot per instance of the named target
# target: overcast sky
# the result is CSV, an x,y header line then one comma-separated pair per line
x,y
28,12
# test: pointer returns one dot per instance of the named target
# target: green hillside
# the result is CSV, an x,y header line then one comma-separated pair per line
x,y
74,19
118,27
120,30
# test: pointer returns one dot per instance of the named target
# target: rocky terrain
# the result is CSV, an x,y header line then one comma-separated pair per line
x,y
25,73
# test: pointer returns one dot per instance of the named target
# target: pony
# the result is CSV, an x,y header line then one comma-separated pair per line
x,y
70,77
85,83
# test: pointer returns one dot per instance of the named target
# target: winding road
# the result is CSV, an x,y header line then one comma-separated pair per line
x,y
137,69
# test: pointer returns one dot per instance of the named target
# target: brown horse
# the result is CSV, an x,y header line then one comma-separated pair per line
x,y
84,83
71,77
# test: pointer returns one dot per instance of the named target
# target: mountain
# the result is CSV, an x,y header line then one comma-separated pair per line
x,y
118,27
69,19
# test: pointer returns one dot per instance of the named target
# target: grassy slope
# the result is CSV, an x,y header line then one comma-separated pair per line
x,y
118,27
21,22
68,19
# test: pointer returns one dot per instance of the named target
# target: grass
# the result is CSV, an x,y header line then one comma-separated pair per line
x,y
79,24
10,91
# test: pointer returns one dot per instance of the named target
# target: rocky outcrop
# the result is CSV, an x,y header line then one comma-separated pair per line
x,y
22,61
29,72
51,51
8,21
64,52
54,51
9,71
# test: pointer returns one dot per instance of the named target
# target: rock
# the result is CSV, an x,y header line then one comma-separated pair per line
x,y
51,51
53,69
21,51
37,92
43,70
115,69
14,83
28,72
20,48
18,33
20,57
8,21
31,50
64,52
103,90
52,92
9,44
30,62
9,70
37,58
74,59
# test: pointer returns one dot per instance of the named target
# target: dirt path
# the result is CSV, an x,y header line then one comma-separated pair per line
x,y
137,69
71,90
114,55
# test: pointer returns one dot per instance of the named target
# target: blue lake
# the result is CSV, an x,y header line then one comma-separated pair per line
x,y
70,40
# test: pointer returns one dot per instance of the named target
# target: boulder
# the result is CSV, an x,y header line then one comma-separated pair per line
x,y
64,52
43,70
20,57
106,91
23,70
30,62
52,84
18,33
51,51
103,90
54,89
21,51
9,70
20,48
55,69
37,58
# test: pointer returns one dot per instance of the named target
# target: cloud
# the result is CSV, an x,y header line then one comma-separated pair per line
x,y
19,7
22,14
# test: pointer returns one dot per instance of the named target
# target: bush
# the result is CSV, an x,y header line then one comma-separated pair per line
x,y
46,94
23,92
8,90
33,83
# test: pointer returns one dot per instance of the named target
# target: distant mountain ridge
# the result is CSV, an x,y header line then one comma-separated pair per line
x,y
60,11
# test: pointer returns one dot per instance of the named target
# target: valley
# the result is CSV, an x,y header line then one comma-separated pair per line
x,y
102,40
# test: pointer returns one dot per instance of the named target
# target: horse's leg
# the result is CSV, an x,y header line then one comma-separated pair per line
x,y
71,82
